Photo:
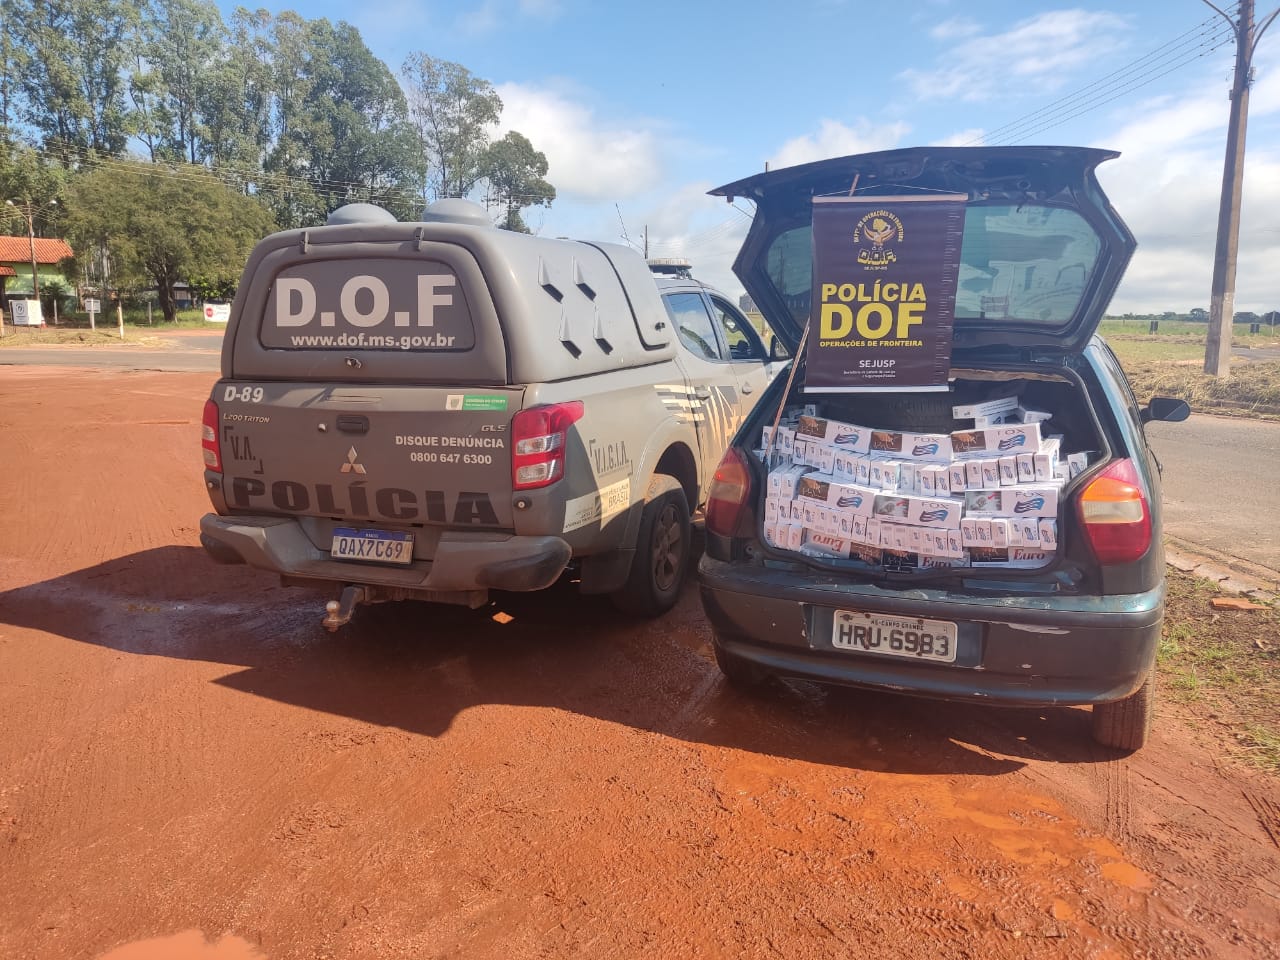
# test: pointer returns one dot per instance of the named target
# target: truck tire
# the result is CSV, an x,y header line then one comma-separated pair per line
x,y
663,548
1126,724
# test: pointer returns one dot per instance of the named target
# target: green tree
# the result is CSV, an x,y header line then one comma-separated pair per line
x,y
157,228
178,45
72,87
452,110
342,119
235,108
516,174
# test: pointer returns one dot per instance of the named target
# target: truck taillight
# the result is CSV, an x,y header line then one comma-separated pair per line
x,y
1114,514
730,491
539,437
209,438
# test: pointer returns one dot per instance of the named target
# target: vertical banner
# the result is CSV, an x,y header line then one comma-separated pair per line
x,y
884,292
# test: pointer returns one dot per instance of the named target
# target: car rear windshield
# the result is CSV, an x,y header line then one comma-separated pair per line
x,y
1029,264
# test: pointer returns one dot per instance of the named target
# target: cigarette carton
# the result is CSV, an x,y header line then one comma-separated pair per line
x,y
969,532
982,503
1008,471
786,442
995,419
942,481
1048,533
885,443
928,447
1027,467
1000,533
863,467
1044,467
814,486
795,536
843,524
1076,464
844,436
891,506
1032,416
990,468
955,543
771,509
926,481
860,526
875,531
823,545
765,436
1013,438
938,563
1024,532
1040,500
799,451
934,512
957,477
907,477
772,536
844,466
984,409
867,554
886,474
826,457
973,475
969,443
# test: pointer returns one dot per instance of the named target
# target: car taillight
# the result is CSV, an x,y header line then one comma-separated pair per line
x,y
539,436
209,438
730,491
1114,514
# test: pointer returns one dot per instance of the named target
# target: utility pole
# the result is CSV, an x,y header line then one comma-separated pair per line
x,y
1217,353
28,211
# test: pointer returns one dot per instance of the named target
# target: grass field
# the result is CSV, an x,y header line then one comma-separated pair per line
x,y
1223,668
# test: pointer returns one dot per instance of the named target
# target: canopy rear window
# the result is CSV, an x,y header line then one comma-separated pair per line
x,y
1028,264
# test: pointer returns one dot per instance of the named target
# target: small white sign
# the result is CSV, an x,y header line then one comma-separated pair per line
x,y
93,306
217,312
26,313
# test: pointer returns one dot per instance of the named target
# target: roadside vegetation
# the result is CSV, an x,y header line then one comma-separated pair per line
x,y
1221,669
1169,363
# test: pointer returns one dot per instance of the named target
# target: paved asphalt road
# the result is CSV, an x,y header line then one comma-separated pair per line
x,y
1216,470
1217,485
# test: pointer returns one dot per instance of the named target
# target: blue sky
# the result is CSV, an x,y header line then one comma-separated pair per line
x,y
641,108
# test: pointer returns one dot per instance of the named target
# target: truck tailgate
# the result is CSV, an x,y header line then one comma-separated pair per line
x,y
395,453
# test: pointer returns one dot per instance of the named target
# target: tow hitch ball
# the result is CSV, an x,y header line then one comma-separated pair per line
x,y
338,613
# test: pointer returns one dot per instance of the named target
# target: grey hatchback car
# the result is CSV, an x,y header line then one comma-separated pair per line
x,y
1074,621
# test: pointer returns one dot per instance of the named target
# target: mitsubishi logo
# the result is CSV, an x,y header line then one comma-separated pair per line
x,y
351,466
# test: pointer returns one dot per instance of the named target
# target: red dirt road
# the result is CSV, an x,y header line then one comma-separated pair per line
x,y
191,766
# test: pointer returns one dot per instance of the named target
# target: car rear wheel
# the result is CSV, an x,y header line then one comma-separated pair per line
x,y
663,548
741,674
1126,724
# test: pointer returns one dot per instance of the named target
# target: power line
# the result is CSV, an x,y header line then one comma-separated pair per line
x,y
1147,68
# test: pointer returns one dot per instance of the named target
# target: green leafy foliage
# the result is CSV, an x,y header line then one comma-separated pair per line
x,y
155,229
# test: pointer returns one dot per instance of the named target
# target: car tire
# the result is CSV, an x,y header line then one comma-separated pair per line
x,y
742,675
664,545
1126,724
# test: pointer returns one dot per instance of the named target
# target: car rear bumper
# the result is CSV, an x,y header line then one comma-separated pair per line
x,y
1018,650
462,560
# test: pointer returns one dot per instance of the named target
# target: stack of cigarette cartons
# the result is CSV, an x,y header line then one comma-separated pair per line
x,y
982,497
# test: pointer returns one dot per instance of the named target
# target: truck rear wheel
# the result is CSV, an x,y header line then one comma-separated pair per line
x,y
1126,724
663,548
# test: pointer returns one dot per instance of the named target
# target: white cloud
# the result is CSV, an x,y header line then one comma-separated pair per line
x,y
1166,186
961,138
1036,54
591,158
956,28
836,139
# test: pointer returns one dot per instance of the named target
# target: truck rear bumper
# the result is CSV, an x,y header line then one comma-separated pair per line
x,y
463,560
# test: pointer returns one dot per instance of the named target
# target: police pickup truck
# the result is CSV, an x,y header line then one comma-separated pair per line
x,y
438,409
